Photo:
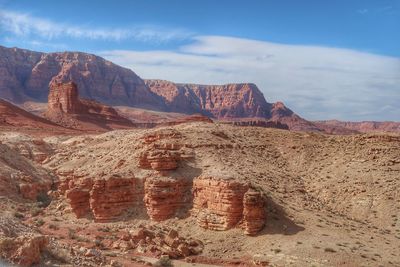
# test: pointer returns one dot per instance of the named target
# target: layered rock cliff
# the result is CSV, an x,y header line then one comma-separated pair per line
x,y
26,75
105,199
217,101
220,204
242,103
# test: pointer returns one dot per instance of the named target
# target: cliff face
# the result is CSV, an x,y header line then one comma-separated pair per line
x,y
26,75
220,204
242,104
217,101
105,199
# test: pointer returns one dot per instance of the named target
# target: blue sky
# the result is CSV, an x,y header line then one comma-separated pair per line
x,y
325,59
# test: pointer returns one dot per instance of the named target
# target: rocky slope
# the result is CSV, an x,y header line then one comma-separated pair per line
x,y
248,194
319,194
12,116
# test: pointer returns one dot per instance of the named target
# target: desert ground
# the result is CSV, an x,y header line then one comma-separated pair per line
x,y
329,200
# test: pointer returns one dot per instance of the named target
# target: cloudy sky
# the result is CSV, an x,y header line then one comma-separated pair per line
x,y
325,59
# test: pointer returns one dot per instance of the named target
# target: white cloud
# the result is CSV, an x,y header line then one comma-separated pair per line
x,y
24,25
317,82
363,11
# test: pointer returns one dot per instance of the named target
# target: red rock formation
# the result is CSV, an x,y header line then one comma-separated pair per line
x,y
253,212
259,123
107,199
78,194
218,101
67,109
280,113
159,160
220,204
165,197
110,198
63,97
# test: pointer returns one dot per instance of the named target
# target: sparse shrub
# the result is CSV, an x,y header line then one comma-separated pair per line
x,y
35,211
43,199
98,243
71,234
18,215
329,250
277,250
53,226
39,222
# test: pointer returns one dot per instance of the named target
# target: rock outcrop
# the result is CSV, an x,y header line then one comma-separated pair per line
x,y
110,198
253,212
159,160
34,190
166,197
106,199
164,241
220,204
78,195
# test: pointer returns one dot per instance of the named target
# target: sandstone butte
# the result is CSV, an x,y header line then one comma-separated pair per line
x,y
216,203
67,109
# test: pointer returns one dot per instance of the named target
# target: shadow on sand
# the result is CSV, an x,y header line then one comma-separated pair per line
x,y
277,221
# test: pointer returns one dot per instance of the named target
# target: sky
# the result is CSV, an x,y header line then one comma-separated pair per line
x,y
324,59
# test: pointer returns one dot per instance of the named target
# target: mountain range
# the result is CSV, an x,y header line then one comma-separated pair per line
x,y
25,76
